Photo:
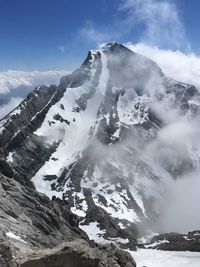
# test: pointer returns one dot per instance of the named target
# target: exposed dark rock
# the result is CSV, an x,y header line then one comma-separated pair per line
x,y
5,168
62,106
51,177
176,242
41,222
6,253
57,117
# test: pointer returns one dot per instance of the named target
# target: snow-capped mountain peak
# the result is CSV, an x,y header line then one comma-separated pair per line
x,y
90,140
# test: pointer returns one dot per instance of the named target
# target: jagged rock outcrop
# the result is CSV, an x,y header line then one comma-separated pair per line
x,y
79,254
76,253
33,218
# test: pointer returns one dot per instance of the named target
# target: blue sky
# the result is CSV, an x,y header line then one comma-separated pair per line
x,y
56,34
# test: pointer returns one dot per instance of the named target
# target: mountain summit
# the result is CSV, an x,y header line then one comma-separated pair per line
x,y
91,142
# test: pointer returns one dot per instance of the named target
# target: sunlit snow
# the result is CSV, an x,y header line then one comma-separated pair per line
x,y
158,258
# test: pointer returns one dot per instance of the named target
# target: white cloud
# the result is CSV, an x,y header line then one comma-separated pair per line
x,y
6,108
181,214
160,20
176,148
11,79
184,67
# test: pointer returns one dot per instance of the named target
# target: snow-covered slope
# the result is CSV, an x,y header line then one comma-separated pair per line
x,y
156,258
98,142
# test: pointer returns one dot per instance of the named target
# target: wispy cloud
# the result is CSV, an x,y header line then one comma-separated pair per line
x,y
158,21
161,21
92,33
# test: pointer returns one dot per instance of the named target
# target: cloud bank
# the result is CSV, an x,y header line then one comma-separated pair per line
x,y
184,67
12,80
6,108
15,85
181,214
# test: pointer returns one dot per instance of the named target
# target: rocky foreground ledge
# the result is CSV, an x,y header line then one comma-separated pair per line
x,y
77,253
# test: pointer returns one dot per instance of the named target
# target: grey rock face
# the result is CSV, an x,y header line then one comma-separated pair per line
x,y
35,219
6,253
76,253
